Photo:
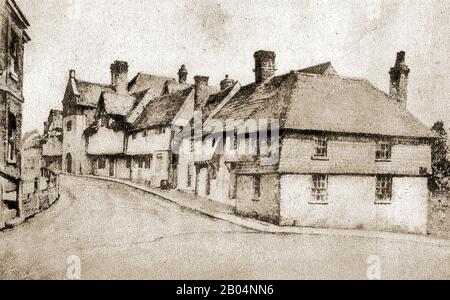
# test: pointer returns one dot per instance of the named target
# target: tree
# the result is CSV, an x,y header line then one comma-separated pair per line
x,y
440,164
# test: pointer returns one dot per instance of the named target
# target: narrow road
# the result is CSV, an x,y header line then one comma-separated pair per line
x,y
121,233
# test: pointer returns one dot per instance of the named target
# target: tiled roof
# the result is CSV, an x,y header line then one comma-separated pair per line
x,y
162,110
324,103
214,100
89,92
144,81
117,104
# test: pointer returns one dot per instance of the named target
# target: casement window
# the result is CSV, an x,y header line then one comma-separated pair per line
x,y
101,163
148,162
384,189
321,147
14,53
319,191
384,151
69,126
160,130
257,187
140,163
12,138
128,162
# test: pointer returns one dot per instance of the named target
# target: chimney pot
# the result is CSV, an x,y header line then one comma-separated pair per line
x,y
201,90
72,74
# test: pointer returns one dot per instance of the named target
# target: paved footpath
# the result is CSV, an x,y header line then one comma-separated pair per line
x,y
120,232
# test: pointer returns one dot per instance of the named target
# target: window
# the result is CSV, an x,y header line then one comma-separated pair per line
x,y
257,187
148,162
134,135
12,136
69,126
384,151
319,189
192,141
128,163
140,163
235,139
14,52
384,189
160,130
101,163
145,134
321,149
190,174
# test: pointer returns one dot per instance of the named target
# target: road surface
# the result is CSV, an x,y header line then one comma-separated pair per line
x,y
121,233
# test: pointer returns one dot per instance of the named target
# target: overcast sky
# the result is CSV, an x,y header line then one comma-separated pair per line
x,y
214,38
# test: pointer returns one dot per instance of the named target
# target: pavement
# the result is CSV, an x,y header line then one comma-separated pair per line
x,y
226,213
107,230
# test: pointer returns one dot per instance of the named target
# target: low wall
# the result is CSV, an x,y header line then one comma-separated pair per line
x,y
40,199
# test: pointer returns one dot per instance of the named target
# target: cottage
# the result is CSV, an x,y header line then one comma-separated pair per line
x,y
52,142
13,37
312,148
80,109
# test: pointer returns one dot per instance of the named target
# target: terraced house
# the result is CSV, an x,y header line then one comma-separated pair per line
x,y
13,37
348,155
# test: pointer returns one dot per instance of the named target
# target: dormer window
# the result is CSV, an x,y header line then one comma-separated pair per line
x,y
384,152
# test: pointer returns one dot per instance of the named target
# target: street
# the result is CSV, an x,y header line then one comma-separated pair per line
x,y
121,233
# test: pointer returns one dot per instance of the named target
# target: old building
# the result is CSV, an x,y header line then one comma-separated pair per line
x,y
80,109
312,148
31,161
13,37
52,142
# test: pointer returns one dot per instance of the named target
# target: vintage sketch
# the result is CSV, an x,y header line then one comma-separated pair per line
x,y
224,139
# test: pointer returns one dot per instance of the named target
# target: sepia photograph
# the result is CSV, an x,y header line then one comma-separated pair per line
x,y
224,140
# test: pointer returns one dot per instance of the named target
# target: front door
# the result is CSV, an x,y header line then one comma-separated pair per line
x,y
112,167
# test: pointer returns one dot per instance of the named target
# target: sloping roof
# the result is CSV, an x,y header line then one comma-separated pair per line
x,y
162,110
320,69
324,103
214,100
144,81
117,104
172,86
141,101
89,92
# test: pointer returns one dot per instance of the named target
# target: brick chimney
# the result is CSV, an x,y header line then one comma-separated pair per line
x,y
182,74
72,74
119,76
201,90
264,65
226,83
399,80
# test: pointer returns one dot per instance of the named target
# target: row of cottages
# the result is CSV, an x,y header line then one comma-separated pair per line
x,y
132,136
312,148
80,112
13,38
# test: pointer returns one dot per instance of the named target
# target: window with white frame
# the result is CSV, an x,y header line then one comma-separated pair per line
x,y
384,189
384,151
319,191
321,147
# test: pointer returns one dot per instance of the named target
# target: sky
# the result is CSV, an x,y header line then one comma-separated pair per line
x,y
214,38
